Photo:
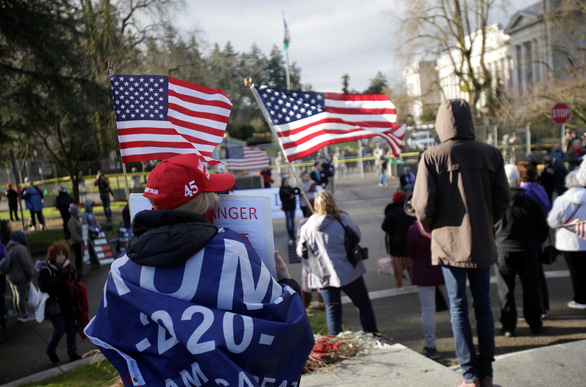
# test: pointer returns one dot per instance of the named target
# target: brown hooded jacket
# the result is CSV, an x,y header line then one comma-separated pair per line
x,y
460,192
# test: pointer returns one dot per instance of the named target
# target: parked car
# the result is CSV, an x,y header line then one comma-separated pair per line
x,y
420,140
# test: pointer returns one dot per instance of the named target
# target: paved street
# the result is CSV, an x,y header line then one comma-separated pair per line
x,y
397,311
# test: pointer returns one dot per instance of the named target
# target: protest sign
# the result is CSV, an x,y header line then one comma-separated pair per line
x,y
273,194
248,215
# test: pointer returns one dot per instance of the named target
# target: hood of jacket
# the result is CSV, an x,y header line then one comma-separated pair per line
x,y
454,121
18,236
88,204
74,211
167,237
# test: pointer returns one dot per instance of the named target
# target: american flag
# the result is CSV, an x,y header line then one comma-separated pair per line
x,y
160,117
576,226
243,158
306,121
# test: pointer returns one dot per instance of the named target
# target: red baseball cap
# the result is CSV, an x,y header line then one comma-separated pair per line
x,y
177,180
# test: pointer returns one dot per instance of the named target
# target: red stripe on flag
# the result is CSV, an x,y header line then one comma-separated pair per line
x,y
356,97
341,110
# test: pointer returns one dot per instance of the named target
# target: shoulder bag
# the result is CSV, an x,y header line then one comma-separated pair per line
x,y
356,253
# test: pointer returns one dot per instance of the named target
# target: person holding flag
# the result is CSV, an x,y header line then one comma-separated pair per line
x,y
191,304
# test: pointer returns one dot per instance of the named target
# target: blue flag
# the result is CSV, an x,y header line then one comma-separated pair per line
x,y
219,319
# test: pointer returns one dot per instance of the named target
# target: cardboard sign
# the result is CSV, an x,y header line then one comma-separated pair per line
x,y
249,215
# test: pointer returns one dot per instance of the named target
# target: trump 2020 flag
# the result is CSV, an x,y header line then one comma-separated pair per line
x,y
159,117
217,319
244,158
306,121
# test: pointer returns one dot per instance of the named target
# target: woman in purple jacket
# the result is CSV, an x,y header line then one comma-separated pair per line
x,y
426,277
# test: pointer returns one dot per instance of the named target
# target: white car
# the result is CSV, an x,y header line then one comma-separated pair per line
x,y
421,140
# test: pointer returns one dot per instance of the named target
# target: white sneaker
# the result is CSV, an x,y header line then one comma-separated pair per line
x,y
26,318
574,305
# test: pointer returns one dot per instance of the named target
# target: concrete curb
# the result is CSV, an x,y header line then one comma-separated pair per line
x,y
49,373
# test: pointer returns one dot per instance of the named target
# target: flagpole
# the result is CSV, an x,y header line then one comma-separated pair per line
x,y
126,189
287,57
248,82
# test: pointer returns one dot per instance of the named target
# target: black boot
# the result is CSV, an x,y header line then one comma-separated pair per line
x,y
74,356
53,356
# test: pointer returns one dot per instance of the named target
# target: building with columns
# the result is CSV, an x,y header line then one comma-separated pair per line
x,y
540,44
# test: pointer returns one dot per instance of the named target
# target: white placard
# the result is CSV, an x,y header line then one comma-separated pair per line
x,y
249,215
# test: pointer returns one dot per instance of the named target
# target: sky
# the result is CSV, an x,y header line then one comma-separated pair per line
x,y
329,38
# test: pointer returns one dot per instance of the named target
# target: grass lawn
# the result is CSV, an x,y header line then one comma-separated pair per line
x,y
102,374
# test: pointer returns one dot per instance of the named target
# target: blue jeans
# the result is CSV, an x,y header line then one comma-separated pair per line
x,y
383,179
60,327
290,222
359,295
472,364
106,203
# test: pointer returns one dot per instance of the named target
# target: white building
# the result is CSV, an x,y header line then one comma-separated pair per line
x,y
496,59
540,43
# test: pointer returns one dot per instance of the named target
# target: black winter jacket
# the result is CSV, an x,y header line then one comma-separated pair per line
x,y
523,226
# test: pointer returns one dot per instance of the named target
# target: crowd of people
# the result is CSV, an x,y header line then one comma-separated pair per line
x,y
465,212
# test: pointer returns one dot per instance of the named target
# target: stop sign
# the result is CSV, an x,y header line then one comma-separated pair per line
x,y
561,113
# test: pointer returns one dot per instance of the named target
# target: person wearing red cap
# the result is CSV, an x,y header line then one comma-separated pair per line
x,y
189,301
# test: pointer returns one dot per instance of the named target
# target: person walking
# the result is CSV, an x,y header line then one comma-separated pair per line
x,y
207,285
330,271
427,278
461,191
396,226
382,165
518,237
289,202
63,201
58,278
103,184
12,197
20,274
34,203
569,207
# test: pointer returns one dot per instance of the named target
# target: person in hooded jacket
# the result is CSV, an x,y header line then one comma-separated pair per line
x,y
322,236
58,278
63,201
20,274
461,191
74,226
396,225
225,318
569,206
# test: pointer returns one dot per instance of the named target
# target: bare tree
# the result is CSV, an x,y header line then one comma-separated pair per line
x,y
456,28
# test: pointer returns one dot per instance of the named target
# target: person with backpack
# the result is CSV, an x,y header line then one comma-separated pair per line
x,y
20,273
103,184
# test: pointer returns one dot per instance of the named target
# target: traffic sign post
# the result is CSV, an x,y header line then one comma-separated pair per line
x,y
560,114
